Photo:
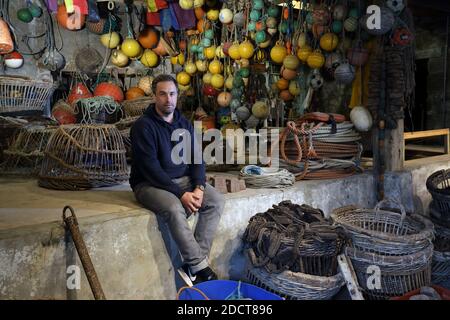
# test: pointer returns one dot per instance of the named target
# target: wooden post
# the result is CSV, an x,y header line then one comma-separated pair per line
x,y
351,280
395,148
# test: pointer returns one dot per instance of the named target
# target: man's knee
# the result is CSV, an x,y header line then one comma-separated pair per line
x,y
215,198
172,211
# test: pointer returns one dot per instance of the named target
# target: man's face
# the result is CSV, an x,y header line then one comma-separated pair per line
x,y
166,97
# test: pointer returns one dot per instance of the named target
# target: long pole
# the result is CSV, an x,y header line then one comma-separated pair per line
x,y
72,224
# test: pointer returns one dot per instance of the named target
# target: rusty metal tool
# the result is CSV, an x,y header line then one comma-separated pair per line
x,y
72,224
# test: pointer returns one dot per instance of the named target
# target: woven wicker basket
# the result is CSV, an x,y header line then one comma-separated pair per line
x,y
438,184
124,126
80,157
437,216
398,274
440,270
295,238
25,155
18,94
296,285
9,128
136,107
385,232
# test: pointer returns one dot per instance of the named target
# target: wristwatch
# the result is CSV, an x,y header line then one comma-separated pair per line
x,y
200,186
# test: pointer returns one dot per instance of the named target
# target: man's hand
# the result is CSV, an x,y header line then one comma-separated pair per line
x,y
191,201
199,195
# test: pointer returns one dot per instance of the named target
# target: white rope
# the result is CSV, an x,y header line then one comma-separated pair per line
x,y
258,177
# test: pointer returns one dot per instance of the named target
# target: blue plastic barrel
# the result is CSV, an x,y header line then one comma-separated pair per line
x,y
227,290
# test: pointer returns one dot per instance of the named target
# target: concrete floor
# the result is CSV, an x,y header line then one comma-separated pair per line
x,y
133,257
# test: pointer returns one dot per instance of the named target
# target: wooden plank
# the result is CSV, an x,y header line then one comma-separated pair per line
x,y
395,148
447,143
418,147
351,281
415,163
425,134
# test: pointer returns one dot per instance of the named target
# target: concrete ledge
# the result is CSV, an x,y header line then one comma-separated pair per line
x,y
132,258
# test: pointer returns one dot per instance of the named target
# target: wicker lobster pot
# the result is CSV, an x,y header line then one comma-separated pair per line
x,y
136,107
385,232
80,157
438,184
440,269
21,95
9,127
295,285
124,126
25,155
398,274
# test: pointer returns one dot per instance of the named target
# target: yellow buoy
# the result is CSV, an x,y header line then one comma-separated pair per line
x,y
210,52
179,59
278,53
291,62
207,78
110,40
229,83
212,14
183,78
201,65
215,66
329,41
304,52
217,81
149,58
131,47
315,60
246,49
190,68
233,51
294,88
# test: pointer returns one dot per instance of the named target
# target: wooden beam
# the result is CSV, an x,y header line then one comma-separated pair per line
x,y
418,147
395,148
426,134
351,281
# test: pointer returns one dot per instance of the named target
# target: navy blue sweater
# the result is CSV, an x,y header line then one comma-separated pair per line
x,y
151,147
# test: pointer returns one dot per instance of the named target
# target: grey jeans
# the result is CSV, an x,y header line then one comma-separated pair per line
x,y
194,246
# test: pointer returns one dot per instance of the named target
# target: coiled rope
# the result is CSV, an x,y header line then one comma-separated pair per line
x,y
320,150
257,177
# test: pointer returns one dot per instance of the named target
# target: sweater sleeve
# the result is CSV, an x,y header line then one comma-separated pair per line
x,y
144,150
198,171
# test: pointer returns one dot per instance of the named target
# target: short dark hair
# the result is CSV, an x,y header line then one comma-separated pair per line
x,y
163,78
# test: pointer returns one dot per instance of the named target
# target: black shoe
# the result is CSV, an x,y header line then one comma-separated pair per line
x,y
191,279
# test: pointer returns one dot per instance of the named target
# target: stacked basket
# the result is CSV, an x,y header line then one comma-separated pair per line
x,y
399,246
438,184
293,252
